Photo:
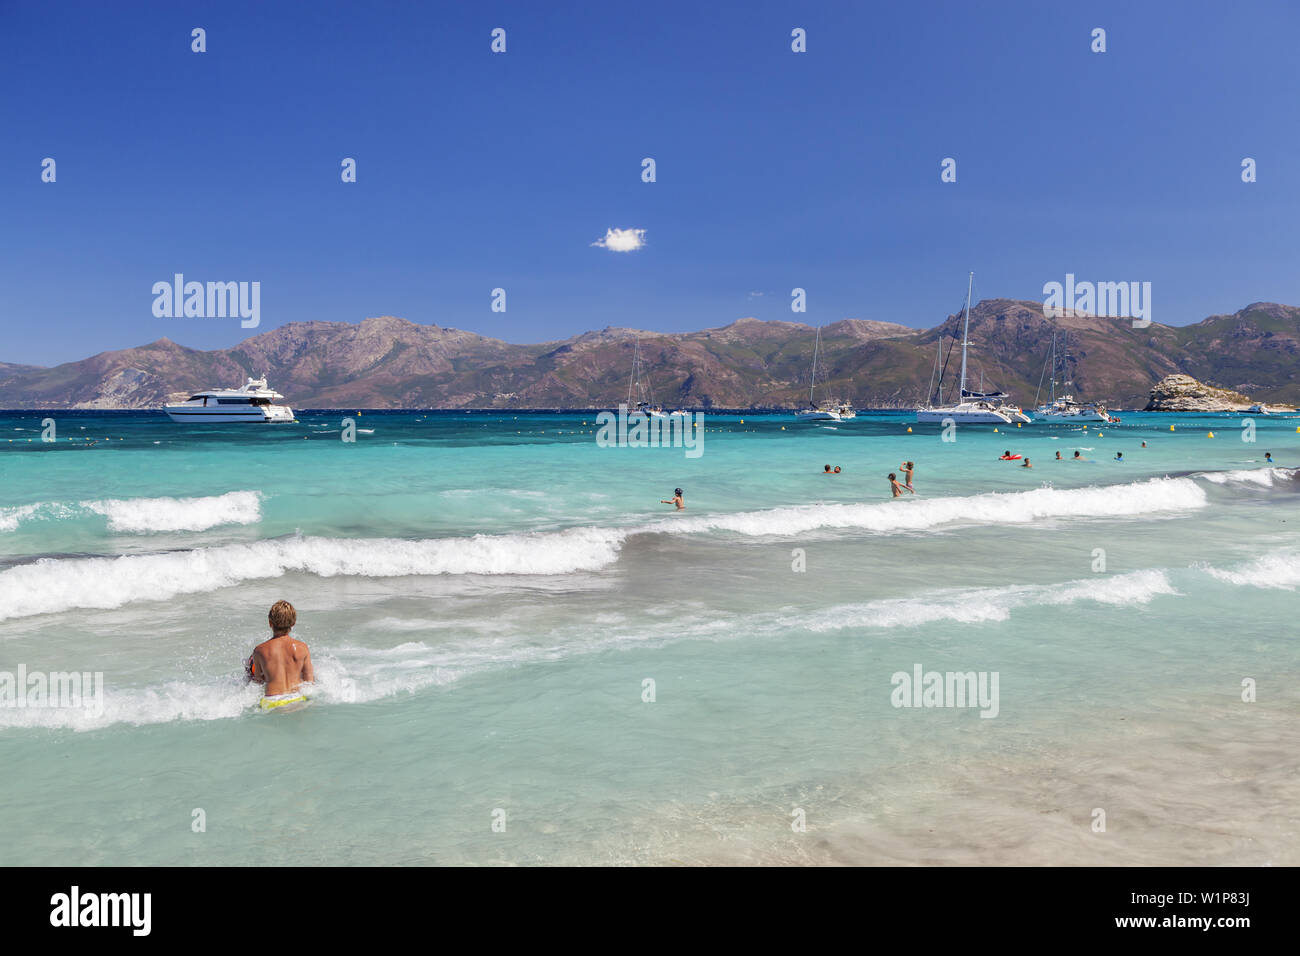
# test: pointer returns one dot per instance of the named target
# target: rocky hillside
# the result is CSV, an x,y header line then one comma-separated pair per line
x,y
389,362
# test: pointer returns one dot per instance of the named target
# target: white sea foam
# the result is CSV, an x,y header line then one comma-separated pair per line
x,y
986,605
49,585
366,676
1249,476
1155,496
10,518
147,515
1277,569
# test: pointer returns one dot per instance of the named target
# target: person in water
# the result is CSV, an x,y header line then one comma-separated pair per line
x,y
1144,444
895,487
282,664
676,499
1026,464
837,469
907,468
1268,457
1119,456
1058,456
826,469
1079,457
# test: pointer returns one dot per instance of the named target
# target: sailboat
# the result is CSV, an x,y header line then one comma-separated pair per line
x,y
972,408
640,398
1066,409
834,411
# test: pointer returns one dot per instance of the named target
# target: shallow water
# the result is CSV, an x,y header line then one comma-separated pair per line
x,y
485,596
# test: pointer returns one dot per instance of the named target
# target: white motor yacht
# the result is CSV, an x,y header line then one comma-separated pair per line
x,y
253,402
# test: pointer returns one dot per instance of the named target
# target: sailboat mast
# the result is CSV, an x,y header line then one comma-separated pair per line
x,y
631,382
813,382
961,393
1053,367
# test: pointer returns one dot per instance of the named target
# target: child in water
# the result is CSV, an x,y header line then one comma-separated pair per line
x,y
895,487
907,468
676,499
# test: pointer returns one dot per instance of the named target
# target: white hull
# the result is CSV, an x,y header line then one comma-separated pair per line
x,y
972,413
817,416
1067,417
218,416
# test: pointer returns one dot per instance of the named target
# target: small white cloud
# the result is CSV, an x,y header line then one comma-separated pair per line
x,y
756,295
622,240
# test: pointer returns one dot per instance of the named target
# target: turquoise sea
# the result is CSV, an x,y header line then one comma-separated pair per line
x,y
524,658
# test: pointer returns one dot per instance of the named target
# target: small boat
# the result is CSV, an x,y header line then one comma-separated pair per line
x,y
253,402
1257,410
831,411
1066,409
639,395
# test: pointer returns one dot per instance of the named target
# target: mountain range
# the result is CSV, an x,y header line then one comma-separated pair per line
x,y
389,362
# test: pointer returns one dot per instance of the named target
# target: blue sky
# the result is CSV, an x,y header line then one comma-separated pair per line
x,y
478,170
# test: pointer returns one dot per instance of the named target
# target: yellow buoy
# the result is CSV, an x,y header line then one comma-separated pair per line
x,y
1017,424
1210,435
909,429
783,428
1171,428
742,421
995,429
1099,434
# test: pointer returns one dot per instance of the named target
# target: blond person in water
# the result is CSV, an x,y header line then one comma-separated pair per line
x,y
282,664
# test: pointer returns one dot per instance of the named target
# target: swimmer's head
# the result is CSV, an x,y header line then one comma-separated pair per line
x,y
282,618
892,476
826,467
837,469
677,492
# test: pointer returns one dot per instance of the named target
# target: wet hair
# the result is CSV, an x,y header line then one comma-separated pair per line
x,y
827,467
1007,453
892,476
282,617
677,492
